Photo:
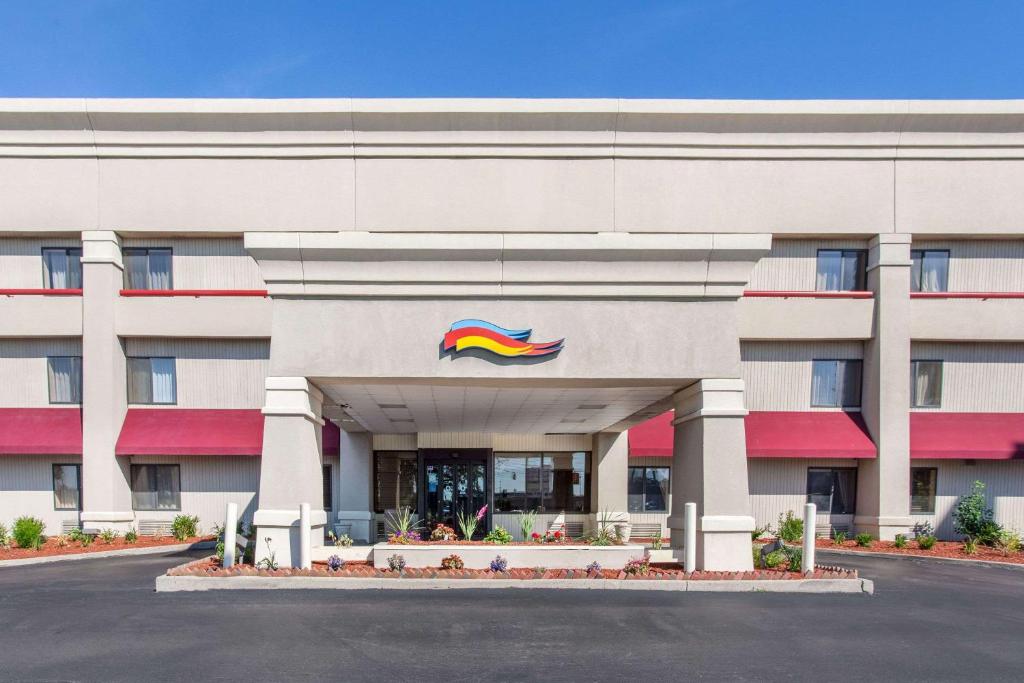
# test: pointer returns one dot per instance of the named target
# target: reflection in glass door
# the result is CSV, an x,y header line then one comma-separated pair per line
x,y
452,486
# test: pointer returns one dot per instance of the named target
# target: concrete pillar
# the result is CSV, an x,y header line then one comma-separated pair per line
x,y
291,469
883,484
355,472
610,477
106,491
709,468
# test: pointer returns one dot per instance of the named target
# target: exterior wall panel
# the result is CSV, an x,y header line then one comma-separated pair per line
x,y
26,488
777,375
212,373
982,265
21,259
212,263
779,485
1004,490
24,382
977,378
792,264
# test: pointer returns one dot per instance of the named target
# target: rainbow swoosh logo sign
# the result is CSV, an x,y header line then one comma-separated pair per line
x,y
480,334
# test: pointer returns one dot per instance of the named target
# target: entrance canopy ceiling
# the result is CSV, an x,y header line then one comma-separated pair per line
x,y
409,408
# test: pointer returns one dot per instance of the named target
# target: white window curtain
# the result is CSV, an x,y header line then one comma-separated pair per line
x,y
160,269
55,268
143,488
824,383
927,387
163,380
65,379
65,487
934,271
830,269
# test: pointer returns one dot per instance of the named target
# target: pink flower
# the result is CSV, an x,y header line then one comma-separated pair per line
x,y
481,512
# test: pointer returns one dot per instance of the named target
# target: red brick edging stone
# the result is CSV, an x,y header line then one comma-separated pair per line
x,y
210,567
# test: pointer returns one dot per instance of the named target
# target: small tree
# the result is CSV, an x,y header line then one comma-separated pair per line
x,y
972,517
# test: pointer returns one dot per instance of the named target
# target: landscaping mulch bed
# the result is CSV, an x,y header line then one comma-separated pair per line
x,y
947,549
51,546
210,567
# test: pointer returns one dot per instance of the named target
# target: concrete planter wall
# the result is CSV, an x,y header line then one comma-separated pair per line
x,y
539,555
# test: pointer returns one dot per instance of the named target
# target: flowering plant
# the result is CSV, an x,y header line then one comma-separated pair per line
x,y
442,533
499,564
638,566
550,537
396,563
334,563
468,522
535,537
594,568
405,537
452,562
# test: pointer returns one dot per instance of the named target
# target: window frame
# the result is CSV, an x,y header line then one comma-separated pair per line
x,y
49,393
913,382
666,497
411,456
860,277
825,468
915,281
78,480
543,495
131,473
147,251
934,490
151,402
840,384
48,281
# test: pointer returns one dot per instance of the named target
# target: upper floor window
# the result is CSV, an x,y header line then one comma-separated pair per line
x,y
841,270
64,376
648,489
835,383
62,268
929,271
147,268
833,490
152,381
926,383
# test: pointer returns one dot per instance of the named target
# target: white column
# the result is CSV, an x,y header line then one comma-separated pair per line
x,y
610,475
810,516
355,471
106,491
230,531
709,468
883,483
291,469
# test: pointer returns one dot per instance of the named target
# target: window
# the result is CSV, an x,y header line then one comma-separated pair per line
x,y
835,383
67,487
147,268
929,271
156,487
328,488
833,490
841,270
64,376
925,383
152,381
922,490
648,489
546,482
394,480
62,268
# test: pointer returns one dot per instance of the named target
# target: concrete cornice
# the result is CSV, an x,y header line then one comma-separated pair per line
x,y
352,128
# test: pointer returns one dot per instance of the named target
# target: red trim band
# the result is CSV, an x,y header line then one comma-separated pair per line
x,y
967,295
809,295
41,292
194,292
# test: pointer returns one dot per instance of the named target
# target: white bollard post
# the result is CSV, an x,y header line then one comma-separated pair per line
x,y
690,538
304,537
230,527
810,517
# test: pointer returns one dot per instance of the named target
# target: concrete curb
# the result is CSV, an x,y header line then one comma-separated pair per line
x,y
151,550
167,584
947,560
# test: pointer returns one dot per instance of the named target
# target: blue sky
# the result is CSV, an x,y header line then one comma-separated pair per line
x,y
592,48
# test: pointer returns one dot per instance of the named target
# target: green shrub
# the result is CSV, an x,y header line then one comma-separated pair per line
x,y
970,546
795,557
839,537
184,527
498,535
791,528
972,517
864,540
1007,542
900,541
774,559
758,532
131,536
28,532
5,539
108,536
926,542
755,550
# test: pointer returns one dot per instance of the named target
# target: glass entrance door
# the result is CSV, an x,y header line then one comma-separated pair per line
x,y
452,485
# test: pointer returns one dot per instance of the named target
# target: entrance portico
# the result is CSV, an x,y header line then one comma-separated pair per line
x,y
648,323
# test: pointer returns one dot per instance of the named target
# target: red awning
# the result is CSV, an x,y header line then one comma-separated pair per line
x,y
968,436
40,431
773,435
185,431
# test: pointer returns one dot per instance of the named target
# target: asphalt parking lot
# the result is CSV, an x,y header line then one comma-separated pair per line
x,y
99,620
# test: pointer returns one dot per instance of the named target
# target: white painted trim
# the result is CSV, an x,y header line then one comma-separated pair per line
x,y
716,523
